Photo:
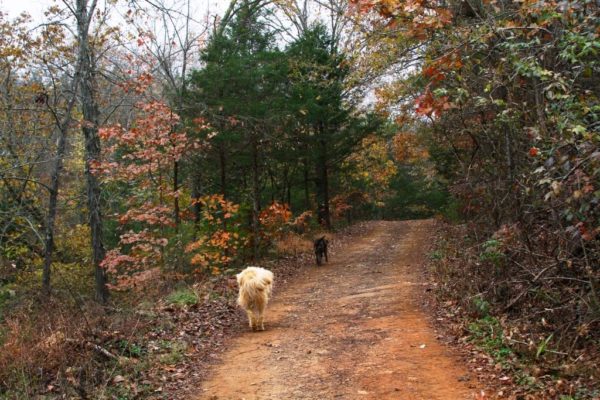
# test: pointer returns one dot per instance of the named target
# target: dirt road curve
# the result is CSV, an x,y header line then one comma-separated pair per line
x,y
351,329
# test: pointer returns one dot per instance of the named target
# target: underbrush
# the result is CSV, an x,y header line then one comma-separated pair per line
x,y
64,346
58,347
69,346
293,244
143,345
535,316
183,297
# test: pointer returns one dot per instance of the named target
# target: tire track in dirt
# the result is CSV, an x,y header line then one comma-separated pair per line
x,y
351,329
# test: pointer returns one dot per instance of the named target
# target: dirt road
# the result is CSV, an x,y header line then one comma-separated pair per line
x,y
351,329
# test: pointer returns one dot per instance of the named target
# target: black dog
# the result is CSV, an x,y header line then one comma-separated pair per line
x,y
321,250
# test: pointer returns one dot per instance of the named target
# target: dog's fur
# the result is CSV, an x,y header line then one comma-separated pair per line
x,y
321,249
255,285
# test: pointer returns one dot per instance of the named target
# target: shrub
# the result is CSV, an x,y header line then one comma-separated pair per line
x,y
183,297
221,235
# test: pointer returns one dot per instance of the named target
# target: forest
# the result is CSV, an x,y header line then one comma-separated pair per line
x,y
149,151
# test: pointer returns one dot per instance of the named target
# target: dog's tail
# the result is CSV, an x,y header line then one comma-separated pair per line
x,y
263,283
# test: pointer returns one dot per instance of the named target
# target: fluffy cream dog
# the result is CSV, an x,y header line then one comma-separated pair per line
x,y
255,289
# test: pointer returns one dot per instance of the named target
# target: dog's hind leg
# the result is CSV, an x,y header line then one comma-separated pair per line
x,y
260,321
251,319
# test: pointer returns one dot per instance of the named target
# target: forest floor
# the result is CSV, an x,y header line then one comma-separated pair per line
x,y
354,328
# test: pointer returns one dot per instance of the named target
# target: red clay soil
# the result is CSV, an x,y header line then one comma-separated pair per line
x,y
351,329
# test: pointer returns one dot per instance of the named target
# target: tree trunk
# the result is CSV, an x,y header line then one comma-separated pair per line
x,y
306,189
255,196
539,107
509,157
222,167
322,183
63,128
196,193
89,108
52,205
273,186
176,199
287,190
